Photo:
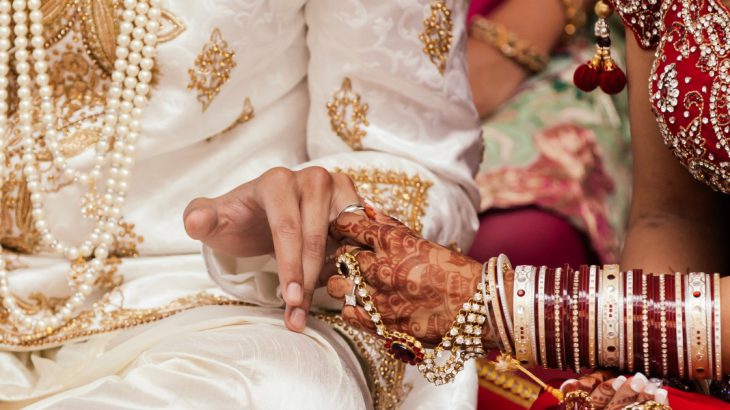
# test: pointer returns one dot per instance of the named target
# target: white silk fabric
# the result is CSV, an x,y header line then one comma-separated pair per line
x,y
290,57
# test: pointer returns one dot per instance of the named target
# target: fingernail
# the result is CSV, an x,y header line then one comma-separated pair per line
x,y
661,396
618,383
298,318
638,382
567,382
294,293
651,388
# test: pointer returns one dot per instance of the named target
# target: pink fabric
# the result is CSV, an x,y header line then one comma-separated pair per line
x,y
530,236
482,7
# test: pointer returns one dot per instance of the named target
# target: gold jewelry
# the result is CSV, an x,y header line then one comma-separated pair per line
x,y
663,324
608,301
509,44
575,318
578,399
498,318
352,208
350,298
696,314
592,282
522,301
575,17
647,405
541,315
556,306
630,321
492,335
678,312
717,325
348,266
645,323
503,264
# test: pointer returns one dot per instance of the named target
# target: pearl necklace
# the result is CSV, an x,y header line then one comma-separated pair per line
x,y
127,95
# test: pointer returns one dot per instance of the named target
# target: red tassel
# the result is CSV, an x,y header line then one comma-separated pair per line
x,y
586,77
613,80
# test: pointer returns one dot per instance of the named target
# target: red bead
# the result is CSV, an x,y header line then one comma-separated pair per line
x,y
521,293
696,293
402,352
613,81
586,77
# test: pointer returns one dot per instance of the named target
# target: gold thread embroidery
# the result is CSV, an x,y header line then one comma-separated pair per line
x,y
348,129
395,193
170,27
384,373
212,69
437,34
510,386
247,114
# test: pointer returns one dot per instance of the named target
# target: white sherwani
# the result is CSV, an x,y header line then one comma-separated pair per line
x,y
243,86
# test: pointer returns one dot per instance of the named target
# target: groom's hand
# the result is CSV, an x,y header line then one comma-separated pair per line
x,y
282,212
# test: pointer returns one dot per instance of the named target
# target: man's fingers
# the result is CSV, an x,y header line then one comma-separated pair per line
x,y
200,218
277,190
315,187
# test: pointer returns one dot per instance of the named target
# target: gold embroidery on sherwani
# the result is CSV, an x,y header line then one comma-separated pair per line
x,y
397,194
510,386
212,69
384,373
247,113
348,115
437,34
170,27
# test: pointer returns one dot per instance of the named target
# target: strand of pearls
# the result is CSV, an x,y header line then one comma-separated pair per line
x,y
127,95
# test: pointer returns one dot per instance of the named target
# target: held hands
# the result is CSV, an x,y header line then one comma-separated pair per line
x,y
417,286
284,212
613,393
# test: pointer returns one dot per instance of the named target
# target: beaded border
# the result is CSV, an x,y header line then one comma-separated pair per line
x,y
541,315
574,321
556,305
629,292
645,323
717,326
523,297
663,324
592,316
678,306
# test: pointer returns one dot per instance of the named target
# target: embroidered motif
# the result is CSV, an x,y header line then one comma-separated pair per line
x,y
437,34
348,127
383,371
247,113
395,193
212,69
170,27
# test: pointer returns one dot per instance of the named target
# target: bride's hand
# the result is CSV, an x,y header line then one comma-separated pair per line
x,y
417,286
283,212
615,393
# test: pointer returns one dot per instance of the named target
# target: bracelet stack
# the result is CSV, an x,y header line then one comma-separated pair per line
x,y
663,325
509,44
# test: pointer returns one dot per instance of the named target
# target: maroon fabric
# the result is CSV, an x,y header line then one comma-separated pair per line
x,y
530,236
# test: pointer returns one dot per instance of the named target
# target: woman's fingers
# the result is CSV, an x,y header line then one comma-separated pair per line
x,y
356,229
587,383
603,394
628,392
338,287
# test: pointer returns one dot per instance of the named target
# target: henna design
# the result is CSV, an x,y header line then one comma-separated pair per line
x,y
418,286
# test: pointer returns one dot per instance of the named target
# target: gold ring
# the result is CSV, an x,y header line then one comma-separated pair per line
x,y
347,265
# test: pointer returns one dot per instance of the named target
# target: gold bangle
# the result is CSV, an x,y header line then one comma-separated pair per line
x,y
541,315
523,297
629,321
678,316
663,324
592,282
504,264
575,320
717,325
620,318
696,314
509,44
556,305
498,318
608,301
645,322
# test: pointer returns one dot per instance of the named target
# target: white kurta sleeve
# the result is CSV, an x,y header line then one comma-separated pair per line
x,y
391,107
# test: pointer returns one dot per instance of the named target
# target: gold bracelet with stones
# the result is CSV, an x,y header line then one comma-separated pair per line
x,y
608,302
678,318
504,264
574,321
695,313
523,298
556,305
717,325
592,283
496,308
663,324
509,44
629,292
645,323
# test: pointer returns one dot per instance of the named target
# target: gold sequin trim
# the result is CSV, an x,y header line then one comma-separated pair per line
x,y
437,34
384,372
510,386
348,115
402,196
212,69
106,317
247,114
